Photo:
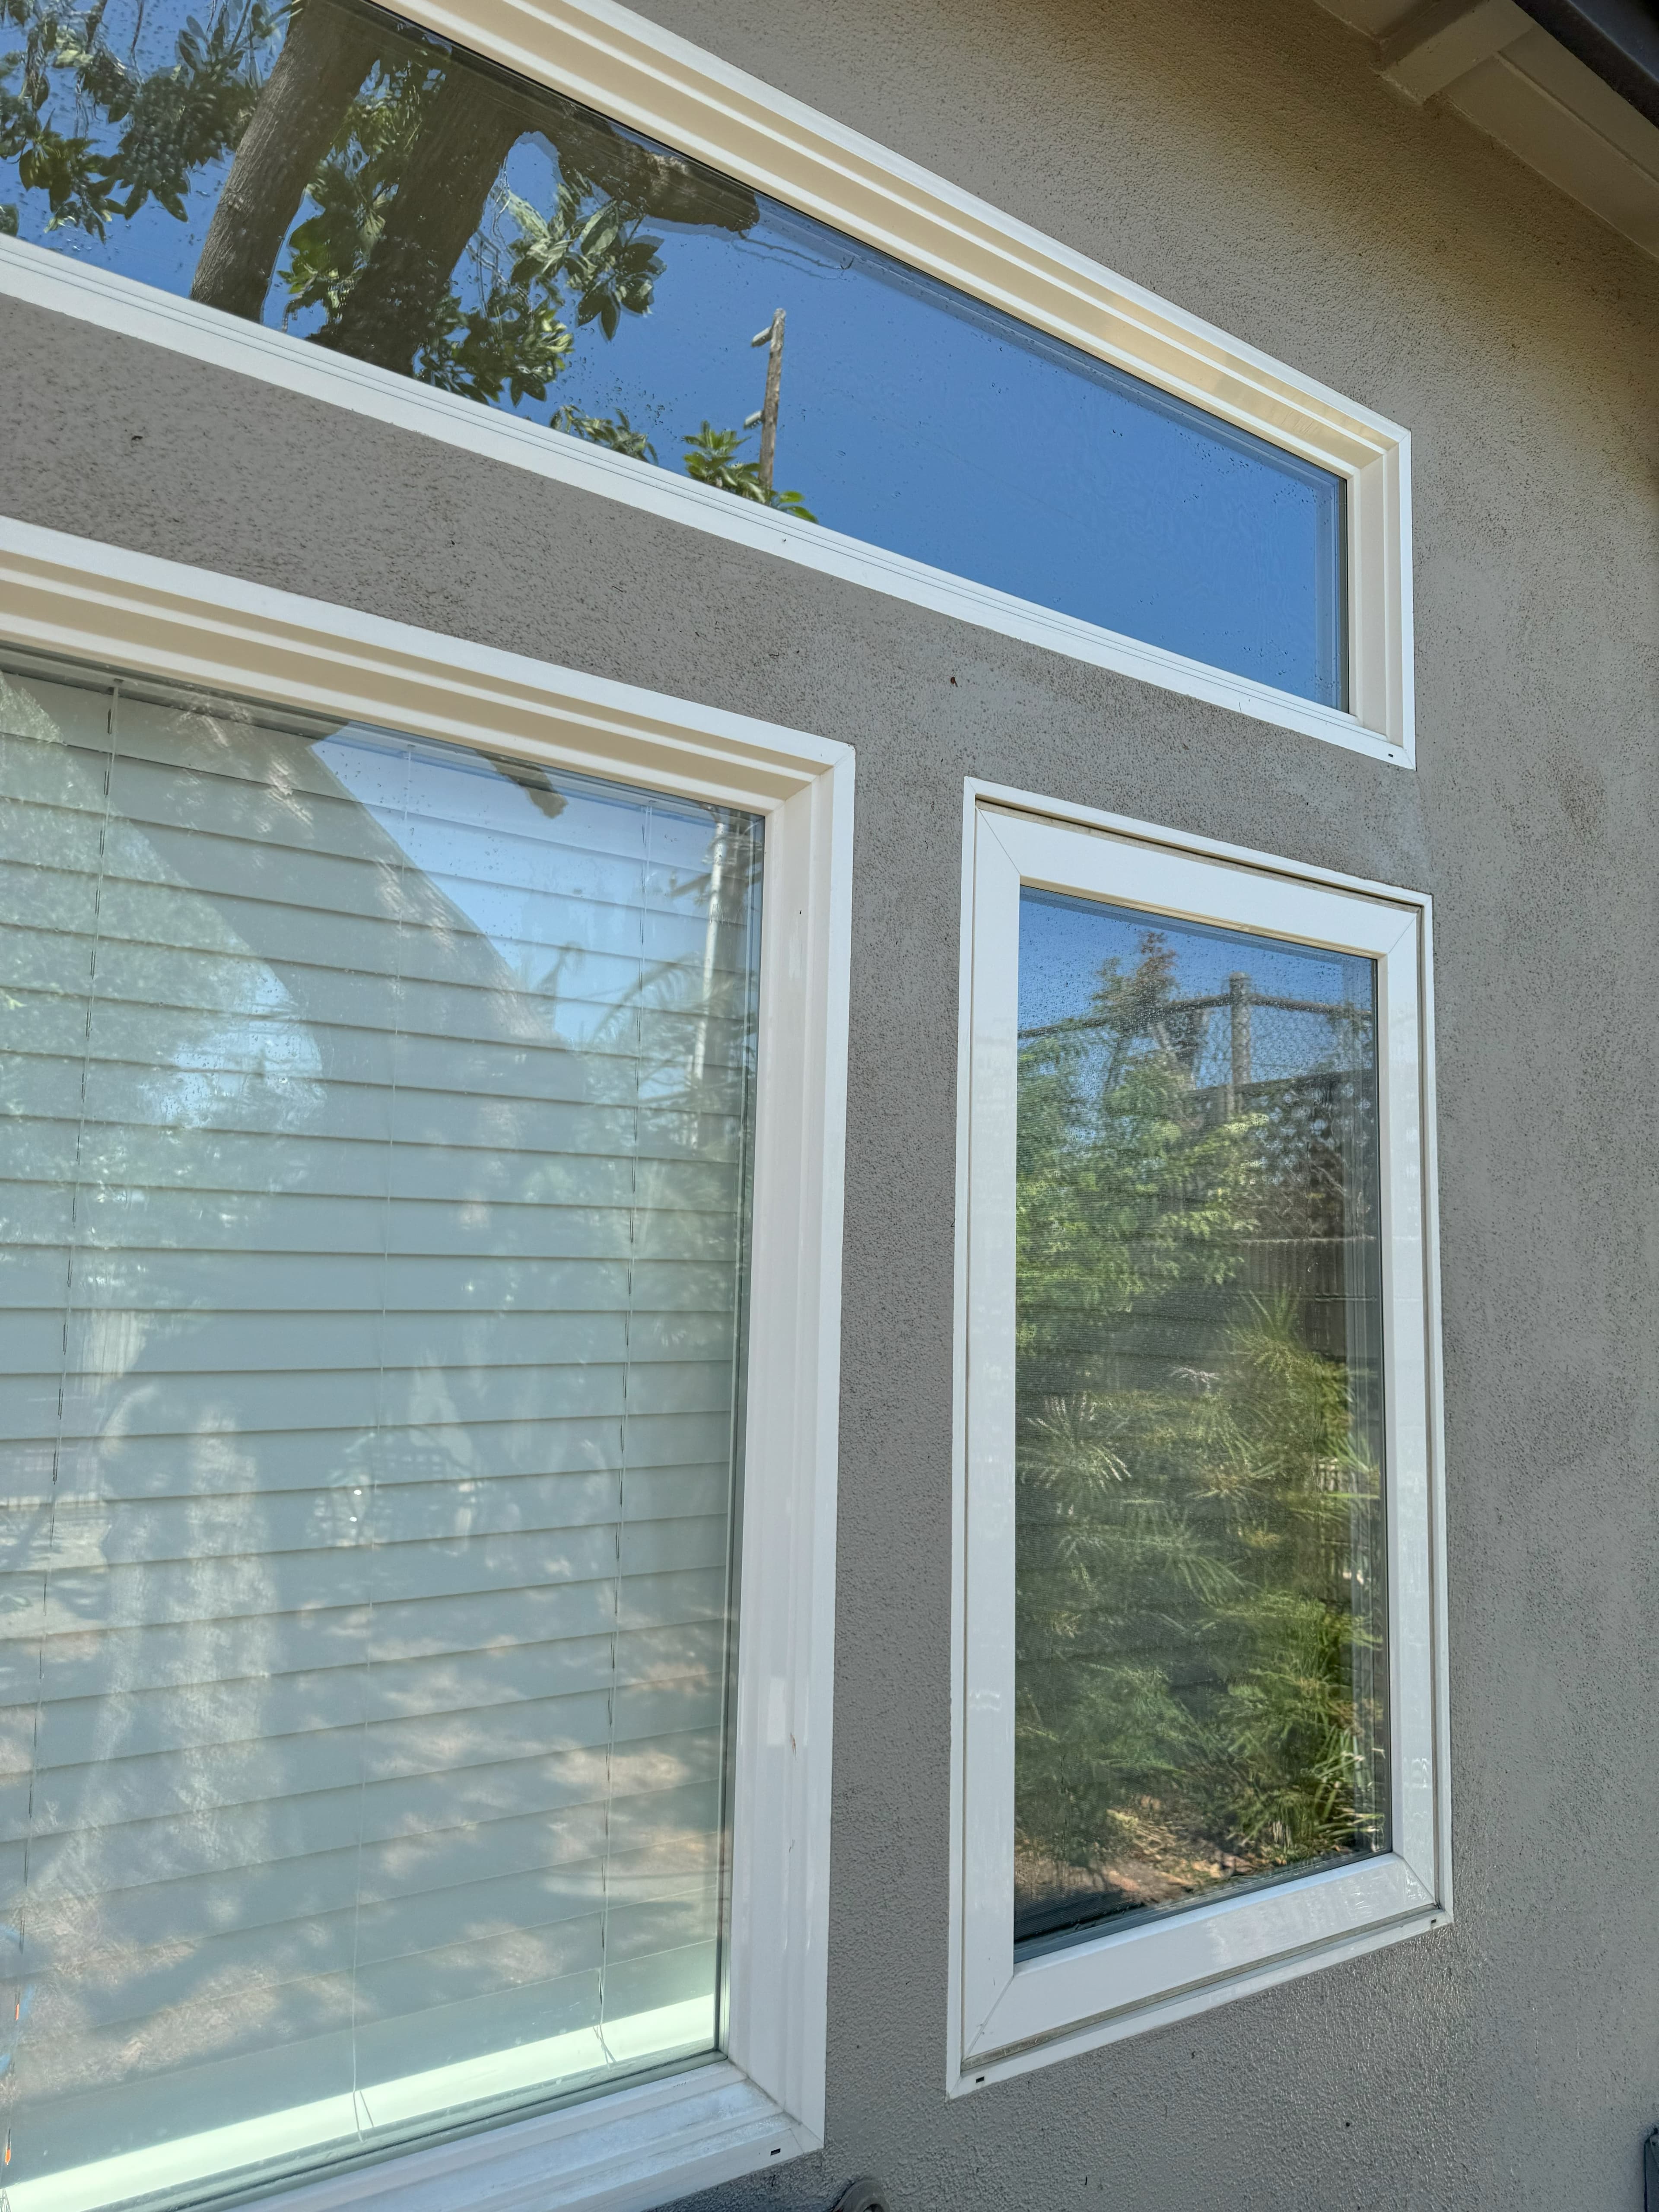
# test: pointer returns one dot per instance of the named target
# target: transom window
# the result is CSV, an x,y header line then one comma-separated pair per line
x,y
333,173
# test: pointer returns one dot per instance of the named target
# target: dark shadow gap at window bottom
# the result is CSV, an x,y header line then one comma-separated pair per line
x,y
1076,1918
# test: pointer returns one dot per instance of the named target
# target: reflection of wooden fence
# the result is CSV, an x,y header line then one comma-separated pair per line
x,y
1182,1028
1323,1274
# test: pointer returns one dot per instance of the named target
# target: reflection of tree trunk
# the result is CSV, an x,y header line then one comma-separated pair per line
x,y
473,124
471,127
470,131
324,58
664,186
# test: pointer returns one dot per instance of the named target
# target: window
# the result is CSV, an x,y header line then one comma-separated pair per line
x,y
389,1199
1200,1660
1017,449
401,203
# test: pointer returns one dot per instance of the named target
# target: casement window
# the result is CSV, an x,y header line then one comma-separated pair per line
x,y
670,284
423,1088
1200,1737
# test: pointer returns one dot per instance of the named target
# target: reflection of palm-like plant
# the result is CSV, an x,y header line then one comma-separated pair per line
x,y
1197,1500
615,431
712,458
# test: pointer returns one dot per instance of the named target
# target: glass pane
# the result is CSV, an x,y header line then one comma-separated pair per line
x,y
332,174
377,1157
1201,1677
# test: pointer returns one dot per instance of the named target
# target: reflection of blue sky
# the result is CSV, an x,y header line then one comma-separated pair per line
x,y
464,828
925,423
1063,943
917,419
409,796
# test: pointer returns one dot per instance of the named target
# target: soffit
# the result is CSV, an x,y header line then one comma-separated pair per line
x,y
1493,62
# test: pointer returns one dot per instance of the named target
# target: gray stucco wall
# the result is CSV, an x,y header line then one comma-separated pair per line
x,y
1244,160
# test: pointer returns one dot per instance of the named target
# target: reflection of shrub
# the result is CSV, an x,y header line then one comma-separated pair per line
x,y
1198,1511
712,458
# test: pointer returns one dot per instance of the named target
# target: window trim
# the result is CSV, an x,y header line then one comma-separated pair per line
x,y
1005,2017
636,2146
629,68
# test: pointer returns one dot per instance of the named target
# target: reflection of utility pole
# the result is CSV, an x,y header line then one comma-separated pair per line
x,y
718,863
767,415
1238,998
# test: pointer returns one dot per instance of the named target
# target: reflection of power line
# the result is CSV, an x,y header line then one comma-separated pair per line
x,y
1337,1009
1181,1026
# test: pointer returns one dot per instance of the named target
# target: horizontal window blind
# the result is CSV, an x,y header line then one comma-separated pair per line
x,y
375,1199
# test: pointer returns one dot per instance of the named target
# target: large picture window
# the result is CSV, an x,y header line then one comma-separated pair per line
x,y
381,1240
1200,1691
327,171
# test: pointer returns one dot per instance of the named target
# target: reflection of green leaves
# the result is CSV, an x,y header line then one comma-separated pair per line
x,y
509,343
609,268
78,183
179,118
1196,1508
711,458
615,431
353,187
182,118
598,258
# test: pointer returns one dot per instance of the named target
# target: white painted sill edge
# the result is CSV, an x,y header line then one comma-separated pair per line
x,y
624,2150
971,2073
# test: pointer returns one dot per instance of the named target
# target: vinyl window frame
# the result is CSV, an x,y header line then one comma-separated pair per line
x,y
628,68
628,2148
1008,2014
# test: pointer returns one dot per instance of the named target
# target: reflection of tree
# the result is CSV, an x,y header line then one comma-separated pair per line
x,y
712,458
1198,1493
418,255
324,57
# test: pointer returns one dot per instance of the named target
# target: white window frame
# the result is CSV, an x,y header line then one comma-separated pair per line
x,y
763,2102
628,68
1007,2016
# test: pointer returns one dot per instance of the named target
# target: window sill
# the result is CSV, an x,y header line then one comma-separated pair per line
x,y
621,2152
1068,2039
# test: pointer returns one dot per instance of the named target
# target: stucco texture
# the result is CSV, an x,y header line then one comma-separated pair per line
x,y
1241,157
